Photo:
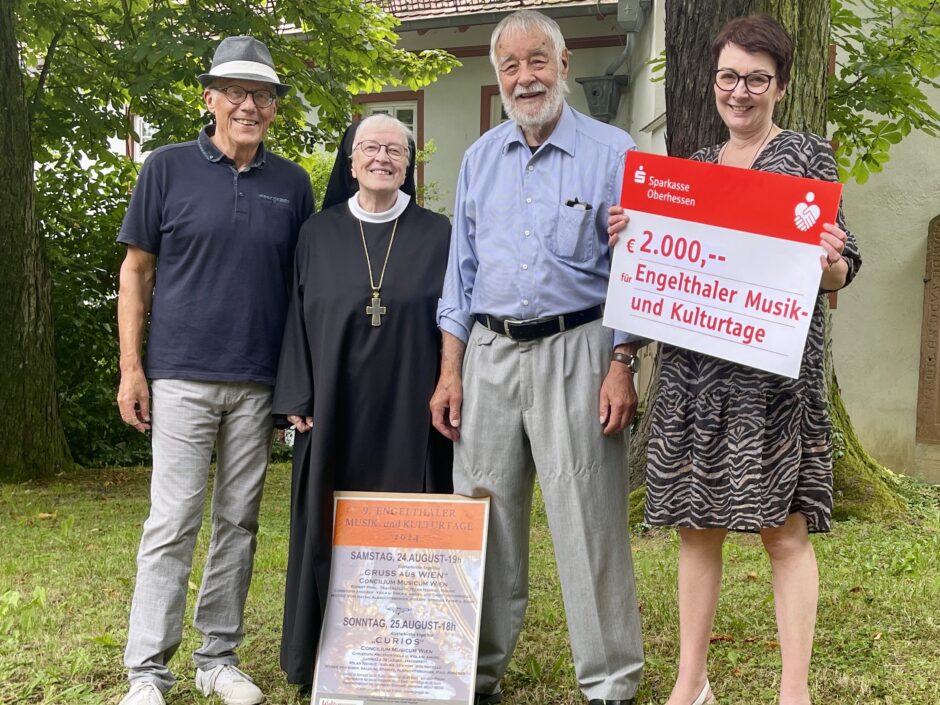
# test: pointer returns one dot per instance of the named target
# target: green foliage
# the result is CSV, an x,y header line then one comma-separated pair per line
x,y
657,67
102,59
838,443
888,53
80,213
319,165
90,64
19,614
430,192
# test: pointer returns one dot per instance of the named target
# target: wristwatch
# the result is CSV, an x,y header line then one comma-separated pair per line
x,y
631,361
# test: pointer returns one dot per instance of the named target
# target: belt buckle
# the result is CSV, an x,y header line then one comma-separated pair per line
x,y
516,322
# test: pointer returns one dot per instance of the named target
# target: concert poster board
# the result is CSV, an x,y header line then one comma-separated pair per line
x,y
402,619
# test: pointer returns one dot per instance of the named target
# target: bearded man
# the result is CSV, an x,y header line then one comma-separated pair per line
x,y
532,384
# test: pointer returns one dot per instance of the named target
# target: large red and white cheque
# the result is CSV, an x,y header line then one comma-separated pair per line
x,y
720,260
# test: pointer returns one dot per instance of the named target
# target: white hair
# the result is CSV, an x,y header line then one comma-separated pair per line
x,y
526,21
382,120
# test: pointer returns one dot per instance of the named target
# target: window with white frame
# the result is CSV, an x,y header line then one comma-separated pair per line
x,y
406,111
145,131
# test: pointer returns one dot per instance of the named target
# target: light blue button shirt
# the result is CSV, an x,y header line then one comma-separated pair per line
x,y
530,230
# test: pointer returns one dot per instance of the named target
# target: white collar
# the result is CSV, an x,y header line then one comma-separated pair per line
x,y
401,203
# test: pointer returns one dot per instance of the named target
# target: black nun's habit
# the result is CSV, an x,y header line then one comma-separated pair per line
x,y
367,387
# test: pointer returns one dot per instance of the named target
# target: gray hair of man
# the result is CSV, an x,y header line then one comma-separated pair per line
x,y
526,21
380,120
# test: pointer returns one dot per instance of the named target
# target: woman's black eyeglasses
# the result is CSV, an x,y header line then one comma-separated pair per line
x,y
754,83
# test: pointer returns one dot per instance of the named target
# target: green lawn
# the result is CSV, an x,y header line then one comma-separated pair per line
x,y
67,570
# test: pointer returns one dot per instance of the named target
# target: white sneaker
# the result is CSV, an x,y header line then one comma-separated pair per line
x,y
230,684
143,694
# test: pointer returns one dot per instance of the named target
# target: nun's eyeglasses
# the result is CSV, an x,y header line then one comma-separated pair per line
x,y
371,149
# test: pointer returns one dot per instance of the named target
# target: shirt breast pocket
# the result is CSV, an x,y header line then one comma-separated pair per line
x,y
277,213
276,206
573,237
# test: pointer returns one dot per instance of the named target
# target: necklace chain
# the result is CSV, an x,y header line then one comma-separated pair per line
x,y
721,152
376,288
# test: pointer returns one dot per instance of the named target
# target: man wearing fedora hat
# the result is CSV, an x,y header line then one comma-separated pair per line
x,y
222,215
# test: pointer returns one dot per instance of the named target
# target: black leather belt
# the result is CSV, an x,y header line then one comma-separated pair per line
x,y
539,327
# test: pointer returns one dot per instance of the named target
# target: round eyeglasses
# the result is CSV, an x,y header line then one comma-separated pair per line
x,y
236,95
371,148
754,83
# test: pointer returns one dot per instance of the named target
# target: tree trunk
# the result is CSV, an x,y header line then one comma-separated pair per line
x,y
691,119
32,442
862,486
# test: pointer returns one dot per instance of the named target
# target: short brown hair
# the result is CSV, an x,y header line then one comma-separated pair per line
x,y
756,33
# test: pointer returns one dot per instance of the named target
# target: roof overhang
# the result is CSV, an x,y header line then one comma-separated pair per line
x,y
472,17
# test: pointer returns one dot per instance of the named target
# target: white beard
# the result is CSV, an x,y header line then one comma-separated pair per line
x,y
551,106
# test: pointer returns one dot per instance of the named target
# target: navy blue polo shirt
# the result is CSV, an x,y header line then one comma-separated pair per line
x,y
225,243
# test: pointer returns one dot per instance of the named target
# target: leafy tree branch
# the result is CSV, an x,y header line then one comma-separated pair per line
x,y
888,57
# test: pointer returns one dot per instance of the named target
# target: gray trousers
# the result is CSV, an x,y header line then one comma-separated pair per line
x,y
531,409
189,419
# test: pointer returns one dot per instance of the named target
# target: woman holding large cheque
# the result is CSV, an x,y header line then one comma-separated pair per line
x,y
734,448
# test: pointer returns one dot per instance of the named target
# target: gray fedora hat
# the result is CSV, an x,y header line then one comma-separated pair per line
x,y
243,57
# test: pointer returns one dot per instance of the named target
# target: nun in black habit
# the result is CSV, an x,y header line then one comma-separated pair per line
x,y
359,361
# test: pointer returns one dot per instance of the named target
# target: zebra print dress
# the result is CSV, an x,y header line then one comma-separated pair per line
x,y
734,447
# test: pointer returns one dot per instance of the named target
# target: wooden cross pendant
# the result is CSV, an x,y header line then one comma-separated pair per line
x,y
376,310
